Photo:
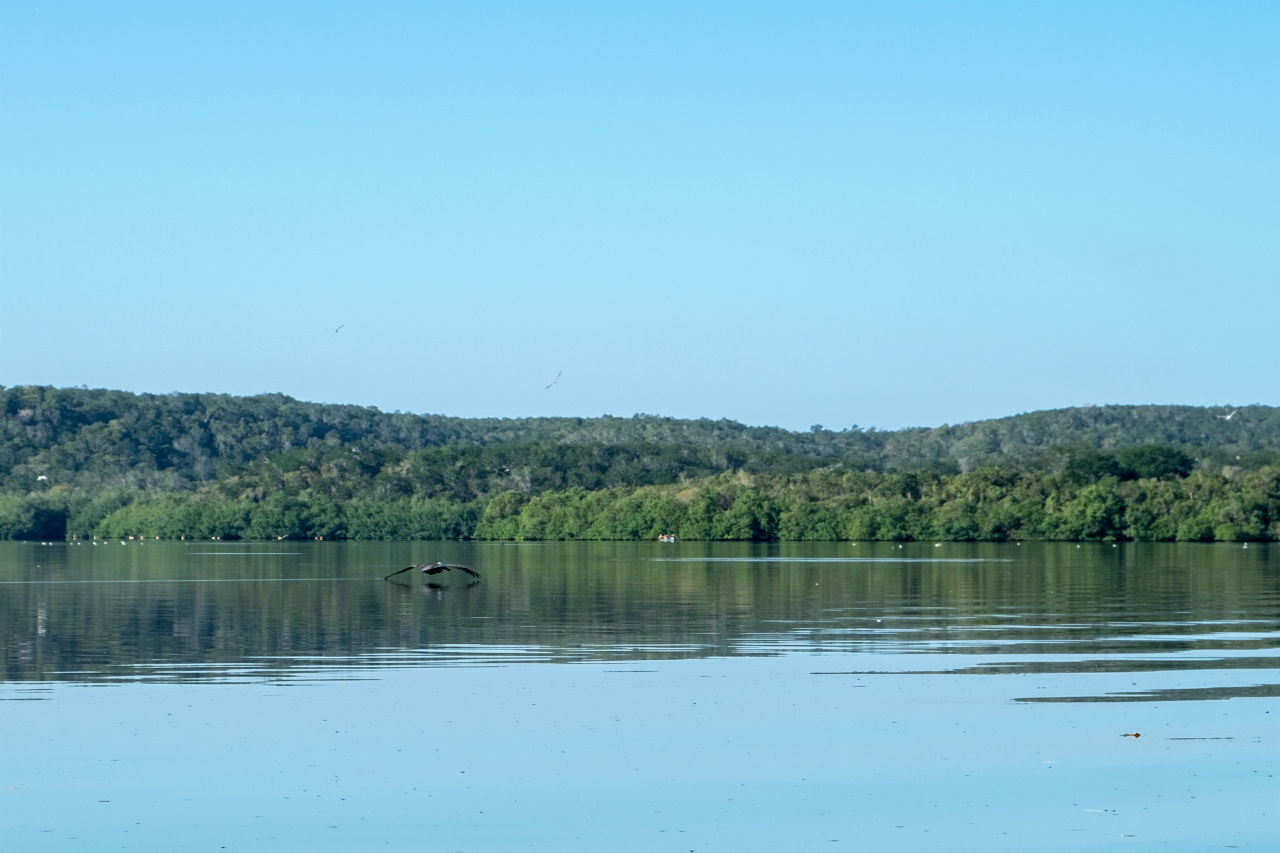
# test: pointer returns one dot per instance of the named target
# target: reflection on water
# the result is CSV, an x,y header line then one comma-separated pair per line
x,y
255,612
741,698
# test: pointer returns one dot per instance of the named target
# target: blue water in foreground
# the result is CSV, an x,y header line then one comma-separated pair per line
x,y
640,697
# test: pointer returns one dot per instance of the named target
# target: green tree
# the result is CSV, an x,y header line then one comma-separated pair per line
x,y
1154,462
808,521
501,516
1095,512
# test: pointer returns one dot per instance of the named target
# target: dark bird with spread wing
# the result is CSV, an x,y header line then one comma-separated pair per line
x,y
436,568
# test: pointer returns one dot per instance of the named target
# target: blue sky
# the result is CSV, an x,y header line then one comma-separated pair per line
x,y
880,214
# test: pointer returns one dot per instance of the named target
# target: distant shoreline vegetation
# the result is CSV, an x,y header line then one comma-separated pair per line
x,y
80,463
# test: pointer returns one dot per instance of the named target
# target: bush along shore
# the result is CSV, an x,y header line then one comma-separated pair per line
x,y
989,504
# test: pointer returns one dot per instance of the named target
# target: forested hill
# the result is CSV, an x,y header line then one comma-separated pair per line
x,y
86,439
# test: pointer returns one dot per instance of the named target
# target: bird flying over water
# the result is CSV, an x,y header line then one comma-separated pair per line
x,y
436,568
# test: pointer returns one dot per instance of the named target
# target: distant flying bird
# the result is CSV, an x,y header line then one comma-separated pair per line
x,y
339,328
554,381
435,569
1230,416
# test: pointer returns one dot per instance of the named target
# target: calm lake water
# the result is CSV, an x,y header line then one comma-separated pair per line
x,y
646,697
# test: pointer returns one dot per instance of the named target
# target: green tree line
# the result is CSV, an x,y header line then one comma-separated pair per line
x,y
1091,499
102,439
79,462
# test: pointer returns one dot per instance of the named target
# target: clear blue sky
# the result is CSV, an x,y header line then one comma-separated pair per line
x,y
876,213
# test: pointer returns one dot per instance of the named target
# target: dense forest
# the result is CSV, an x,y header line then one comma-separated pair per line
x,y
78,463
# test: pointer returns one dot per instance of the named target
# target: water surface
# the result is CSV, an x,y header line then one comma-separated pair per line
x,y
640,696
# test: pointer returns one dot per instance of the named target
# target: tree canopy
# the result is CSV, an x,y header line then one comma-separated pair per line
x,y
80,462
